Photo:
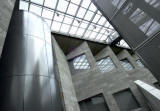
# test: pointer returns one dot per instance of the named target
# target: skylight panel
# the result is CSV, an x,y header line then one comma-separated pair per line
x,y
80,32
36,9
96,18
72,9
23,5
87,33
56,26
73,30
81,12
103,30
88,15
93,35
91,27
76,22
98,37
84,25
85,3
58,17
104,37
102,20
48,22
38,1
76,1
50,3
47,14
92,7
107,24
62,5
68,19
65,28
96,28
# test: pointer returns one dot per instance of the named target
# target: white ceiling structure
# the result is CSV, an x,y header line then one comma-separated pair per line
x,y
76,18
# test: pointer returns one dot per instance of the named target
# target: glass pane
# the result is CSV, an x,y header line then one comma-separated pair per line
x,y
62,5
85,3
81,12
55,26
84,25
80,32
72,9
50,3
64,28
36,9
76,22
23,5
92,7
73,30
81,63
38,1
68,19
102,20
76,1
126,64
106,65
48,22
47,14
88,15
96,18
58,17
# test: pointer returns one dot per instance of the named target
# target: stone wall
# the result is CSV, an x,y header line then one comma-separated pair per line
x,y
67,87
92,82
6,8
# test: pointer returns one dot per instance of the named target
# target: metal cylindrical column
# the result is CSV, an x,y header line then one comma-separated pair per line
x,y
27,78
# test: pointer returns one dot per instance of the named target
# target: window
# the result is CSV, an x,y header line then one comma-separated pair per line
x,y
139,63
126,64
126,101
106,64
96,103
81,62
144,22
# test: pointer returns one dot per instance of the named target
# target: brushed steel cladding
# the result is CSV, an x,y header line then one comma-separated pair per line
x,y
27,76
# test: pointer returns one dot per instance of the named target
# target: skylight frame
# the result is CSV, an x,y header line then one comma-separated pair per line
x,y
91,8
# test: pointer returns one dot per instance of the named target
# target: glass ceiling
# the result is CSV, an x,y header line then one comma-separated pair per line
x,y
76,18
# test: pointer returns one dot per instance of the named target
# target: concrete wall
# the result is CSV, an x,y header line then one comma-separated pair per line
x,y
92,82
68,92
6,8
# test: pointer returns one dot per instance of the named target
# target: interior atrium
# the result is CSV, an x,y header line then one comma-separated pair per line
x,y
79,55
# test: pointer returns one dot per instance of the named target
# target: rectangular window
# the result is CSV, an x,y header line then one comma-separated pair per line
x,y
81,62
106,64
126,101
96,103
126,64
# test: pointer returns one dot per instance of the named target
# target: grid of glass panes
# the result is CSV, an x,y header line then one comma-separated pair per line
x,y
76,18
126,64
139,63
106,64
81,62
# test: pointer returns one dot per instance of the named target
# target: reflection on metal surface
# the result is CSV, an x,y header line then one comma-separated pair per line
x,y
27,76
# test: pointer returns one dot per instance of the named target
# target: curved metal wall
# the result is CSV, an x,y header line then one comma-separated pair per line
x,y
27,78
